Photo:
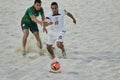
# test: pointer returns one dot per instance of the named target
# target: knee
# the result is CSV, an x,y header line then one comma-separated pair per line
x,y
26,35
49,47
59,45
36,34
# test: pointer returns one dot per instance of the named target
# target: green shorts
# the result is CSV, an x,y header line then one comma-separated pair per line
x,y
32,26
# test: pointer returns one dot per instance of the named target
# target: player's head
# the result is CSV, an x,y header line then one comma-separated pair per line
x,y
54,7
37,4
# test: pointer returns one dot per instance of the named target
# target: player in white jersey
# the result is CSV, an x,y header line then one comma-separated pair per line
x,y
56,29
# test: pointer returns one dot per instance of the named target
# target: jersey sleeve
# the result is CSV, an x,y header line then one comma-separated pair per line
x,y
63,11
42,12
48,18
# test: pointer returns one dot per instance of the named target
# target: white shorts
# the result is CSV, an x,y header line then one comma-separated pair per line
x,y
53,37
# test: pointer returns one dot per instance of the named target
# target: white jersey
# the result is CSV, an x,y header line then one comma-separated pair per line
x,y
58,21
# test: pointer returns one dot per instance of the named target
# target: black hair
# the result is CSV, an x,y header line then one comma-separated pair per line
x,y
54,3
37,1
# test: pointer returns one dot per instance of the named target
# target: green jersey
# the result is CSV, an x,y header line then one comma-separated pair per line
x,y
31,12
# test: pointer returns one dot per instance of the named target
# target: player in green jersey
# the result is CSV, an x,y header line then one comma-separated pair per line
x,y
29,22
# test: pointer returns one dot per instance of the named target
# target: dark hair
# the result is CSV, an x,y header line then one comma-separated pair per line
x,y
54,3
37,1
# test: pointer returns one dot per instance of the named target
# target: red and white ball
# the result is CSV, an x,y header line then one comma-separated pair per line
x,y
55,65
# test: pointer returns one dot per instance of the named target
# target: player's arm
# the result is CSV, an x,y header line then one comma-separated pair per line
x,y
33,18
71,16
47,22
44,28
43,18
42,14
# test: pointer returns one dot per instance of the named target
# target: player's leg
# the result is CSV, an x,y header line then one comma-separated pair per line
x,y
61,46
50,42
25,36
50,50
39,43
34,29
25,29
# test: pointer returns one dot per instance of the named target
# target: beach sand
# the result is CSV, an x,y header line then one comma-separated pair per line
x,y
92,45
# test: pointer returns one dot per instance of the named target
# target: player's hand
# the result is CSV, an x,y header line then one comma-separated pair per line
x,y
74,21
45,30
47,24
50,23
41,23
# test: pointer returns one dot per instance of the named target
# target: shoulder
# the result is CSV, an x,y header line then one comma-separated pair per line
x,y
41,9
61,10
30,8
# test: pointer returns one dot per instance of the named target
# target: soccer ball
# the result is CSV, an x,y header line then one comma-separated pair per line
x,y
55,65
